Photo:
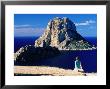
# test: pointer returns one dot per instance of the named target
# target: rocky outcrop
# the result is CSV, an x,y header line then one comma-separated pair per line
x,y
29,54
61,33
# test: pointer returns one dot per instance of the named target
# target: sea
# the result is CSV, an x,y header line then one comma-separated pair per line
x,y
88,57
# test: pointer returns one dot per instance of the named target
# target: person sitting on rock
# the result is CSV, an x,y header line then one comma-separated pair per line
x,y
78,66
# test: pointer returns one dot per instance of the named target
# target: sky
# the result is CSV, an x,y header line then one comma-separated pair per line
x,y
35,24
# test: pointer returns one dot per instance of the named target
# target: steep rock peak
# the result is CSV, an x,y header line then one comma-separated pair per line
x,y
61,24
61,33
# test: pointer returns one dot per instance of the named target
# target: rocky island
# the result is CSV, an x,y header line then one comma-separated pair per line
x,y
59,36
62,34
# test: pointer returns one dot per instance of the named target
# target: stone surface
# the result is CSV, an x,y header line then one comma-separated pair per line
x,y
61,33
29,54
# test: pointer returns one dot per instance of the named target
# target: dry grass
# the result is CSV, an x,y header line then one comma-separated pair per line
x,y
44,70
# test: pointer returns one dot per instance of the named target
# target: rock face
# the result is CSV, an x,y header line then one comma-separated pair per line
x,y
29,54
61,33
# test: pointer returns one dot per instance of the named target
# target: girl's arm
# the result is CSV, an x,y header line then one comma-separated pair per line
x,y
80,65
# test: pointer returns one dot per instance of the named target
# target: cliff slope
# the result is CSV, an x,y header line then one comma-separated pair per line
x,y
61,33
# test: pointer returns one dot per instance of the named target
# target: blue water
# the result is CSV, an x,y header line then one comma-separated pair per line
x,y
88,58
22,41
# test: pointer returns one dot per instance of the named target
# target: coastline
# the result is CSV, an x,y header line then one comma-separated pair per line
x,y
47,71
